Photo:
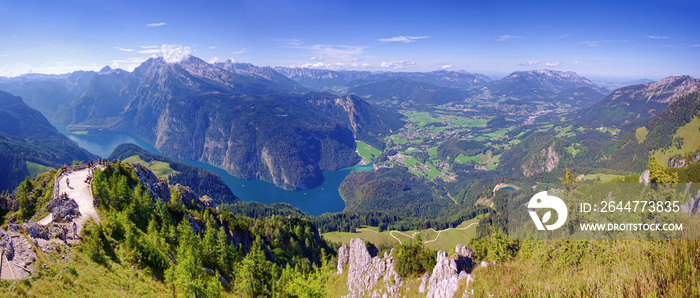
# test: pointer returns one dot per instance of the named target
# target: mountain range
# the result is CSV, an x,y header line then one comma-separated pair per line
x,y
26,138
634,105
234,117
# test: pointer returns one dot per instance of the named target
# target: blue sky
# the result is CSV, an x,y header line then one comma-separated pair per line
x,y
631,39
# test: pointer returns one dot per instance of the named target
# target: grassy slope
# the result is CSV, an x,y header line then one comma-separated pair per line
x,y
36,169
81,277
604,269
447,240
161,169
691,141
367,151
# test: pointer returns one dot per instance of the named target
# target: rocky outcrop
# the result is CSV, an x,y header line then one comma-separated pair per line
x,y
343,258
644,177
693,204
682,162
188,197
449,273
63,210
677,162
156,188
9,203
546,161
365,271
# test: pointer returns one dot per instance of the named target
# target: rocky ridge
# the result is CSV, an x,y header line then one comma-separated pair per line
x,y
448,273
365,272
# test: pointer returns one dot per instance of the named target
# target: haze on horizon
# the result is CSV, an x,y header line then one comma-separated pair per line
x,y
630,39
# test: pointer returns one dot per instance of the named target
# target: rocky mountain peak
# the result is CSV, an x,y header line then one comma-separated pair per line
x,y
664,91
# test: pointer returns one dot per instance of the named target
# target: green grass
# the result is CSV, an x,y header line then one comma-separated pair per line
x,y
573,150
691,141
564,131
397,139
161,169
81,277
410,161
36,169
433,152
449,239
463,159
603,177
641,134
446,241
366,151
594,269
433,172
497,133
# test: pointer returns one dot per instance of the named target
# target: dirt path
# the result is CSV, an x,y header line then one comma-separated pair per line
x,y
81,193
445,230
413,236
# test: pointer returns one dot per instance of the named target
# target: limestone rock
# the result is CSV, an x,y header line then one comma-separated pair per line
x,y
343,258
156,188
677,162
644,177
63,210
365,271
449,272
188,197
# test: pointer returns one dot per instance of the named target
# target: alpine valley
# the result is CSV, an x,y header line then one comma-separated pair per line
x,y
450,151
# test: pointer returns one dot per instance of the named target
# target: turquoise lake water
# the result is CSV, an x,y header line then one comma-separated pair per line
x,y
322,199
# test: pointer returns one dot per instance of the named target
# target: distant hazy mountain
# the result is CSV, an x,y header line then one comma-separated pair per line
x,y
25,135
102,100
234,116
546,85
267,73
322,79
612,84
48,93
660,133
632,106
409,91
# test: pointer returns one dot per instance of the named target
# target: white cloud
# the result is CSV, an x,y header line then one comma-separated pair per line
x,y
445,65
17,70
241,51
336,51
657,36
506,37
150,51
175,53
404,39
123,49
576,62
311,65
529,63
565,35
213,60
342,52
150,47
212,47
398,64
156,24
597,43
552,64
127,64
